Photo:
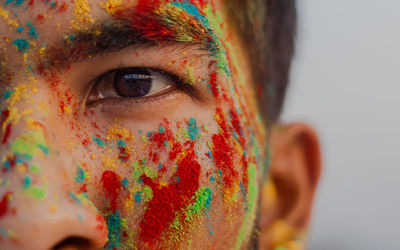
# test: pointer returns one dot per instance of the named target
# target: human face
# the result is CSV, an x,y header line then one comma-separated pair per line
x,y
127,122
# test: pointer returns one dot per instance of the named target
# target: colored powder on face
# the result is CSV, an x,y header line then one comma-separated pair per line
x,y
191,9
21,44
34,169
111,183
114,224
138,196
223,159
213,84
98,141
80,175
30,143
7,134
193,130
20,29
252,202
8,94
203,200
4,203
36,192
121,143
147,193
16,2
82,13
125,182
32,31
167,200
27,181
75,198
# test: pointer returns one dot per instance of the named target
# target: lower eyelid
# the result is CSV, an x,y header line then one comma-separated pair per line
x,y
123,101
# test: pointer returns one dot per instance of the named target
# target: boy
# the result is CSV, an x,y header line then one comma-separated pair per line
x,y
150,125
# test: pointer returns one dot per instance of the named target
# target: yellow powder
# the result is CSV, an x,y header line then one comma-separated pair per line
x,y
111,5
82,14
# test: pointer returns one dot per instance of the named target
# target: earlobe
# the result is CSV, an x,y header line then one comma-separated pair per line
x,y
287,195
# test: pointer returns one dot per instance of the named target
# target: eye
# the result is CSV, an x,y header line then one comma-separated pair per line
x,y
132,82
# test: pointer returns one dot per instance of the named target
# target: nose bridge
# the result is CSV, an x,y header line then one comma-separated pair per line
x,y
37,180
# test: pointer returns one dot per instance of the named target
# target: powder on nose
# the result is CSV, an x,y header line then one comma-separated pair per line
x,y
112,186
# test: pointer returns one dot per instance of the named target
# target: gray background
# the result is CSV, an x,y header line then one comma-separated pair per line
x,y
345,82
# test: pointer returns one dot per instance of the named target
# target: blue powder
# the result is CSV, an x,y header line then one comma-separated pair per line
x,y
17,2
32,30
192,10
138,196
75,198
121,143
98,141
27,181
20,29
125,182
8,94
114,231
193,130
80,174
161,129
22,45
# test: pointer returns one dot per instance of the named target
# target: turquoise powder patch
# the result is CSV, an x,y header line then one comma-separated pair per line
x,y
32,30
114,225
8,94
98,141
80,175
22,45
193,130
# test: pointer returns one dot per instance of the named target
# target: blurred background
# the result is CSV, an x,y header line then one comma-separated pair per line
x,y
345,83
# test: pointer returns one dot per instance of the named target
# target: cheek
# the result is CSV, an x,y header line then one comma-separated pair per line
x,y
165,180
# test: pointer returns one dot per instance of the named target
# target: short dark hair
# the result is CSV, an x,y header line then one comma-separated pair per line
x,y
268,29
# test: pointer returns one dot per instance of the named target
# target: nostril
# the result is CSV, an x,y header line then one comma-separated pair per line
x,y
74,243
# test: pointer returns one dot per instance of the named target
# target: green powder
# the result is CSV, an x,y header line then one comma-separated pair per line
x,y
29,144
203,198
36,192
252,194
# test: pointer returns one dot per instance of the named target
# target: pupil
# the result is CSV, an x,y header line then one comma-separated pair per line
x,y
132,82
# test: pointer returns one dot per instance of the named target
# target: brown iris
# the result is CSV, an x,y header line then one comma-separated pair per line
x,y
132,82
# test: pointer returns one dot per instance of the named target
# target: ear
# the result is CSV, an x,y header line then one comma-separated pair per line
x,y
287,195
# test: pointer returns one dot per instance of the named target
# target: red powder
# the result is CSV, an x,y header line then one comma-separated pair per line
x,y
86,142
12,160
123,154
6,134
4,116
62,107
40,18
223,153
167,200
4,203
83,189
213,84
63,7
111,183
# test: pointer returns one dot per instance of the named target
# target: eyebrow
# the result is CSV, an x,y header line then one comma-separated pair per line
x,y
125,28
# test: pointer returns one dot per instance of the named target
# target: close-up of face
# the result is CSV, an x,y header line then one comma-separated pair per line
x,y
137,125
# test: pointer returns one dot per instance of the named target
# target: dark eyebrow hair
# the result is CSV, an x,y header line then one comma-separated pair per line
x,y
128,28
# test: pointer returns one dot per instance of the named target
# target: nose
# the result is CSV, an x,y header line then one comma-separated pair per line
x,y
38,210
55,227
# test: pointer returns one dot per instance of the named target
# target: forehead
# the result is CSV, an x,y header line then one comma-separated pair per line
x,y
46,20
28,29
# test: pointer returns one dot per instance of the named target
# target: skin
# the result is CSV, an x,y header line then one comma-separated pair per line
x,y
181,168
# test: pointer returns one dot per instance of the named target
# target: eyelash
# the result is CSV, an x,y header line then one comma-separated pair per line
x,y
181,84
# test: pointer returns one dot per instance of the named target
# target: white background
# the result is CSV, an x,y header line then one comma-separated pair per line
x,y
345,82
